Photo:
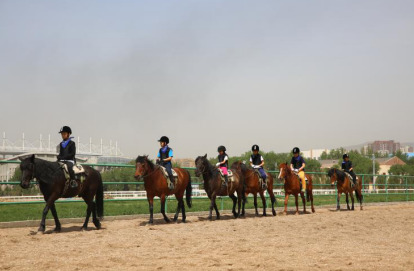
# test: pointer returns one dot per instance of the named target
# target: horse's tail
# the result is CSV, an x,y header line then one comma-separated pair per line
x,y
189,191
358,193
99,198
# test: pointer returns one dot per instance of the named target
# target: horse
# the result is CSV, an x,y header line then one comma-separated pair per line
x,y
343,184
54,185
292,187
213,186
253,186
155,184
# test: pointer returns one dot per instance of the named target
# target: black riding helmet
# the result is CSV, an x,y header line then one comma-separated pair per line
x,y
255,148
221,148
65,129
164,139
345,156
296,150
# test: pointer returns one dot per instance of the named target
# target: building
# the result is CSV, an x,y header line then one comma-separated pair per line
x,y
385,147
387,163
185,162
314,154
330,163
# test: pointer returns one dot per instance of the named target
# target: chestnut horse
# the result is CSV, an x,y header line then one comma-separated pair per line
x,y
292,187
253,186
213,185
343,184
155,184
53,185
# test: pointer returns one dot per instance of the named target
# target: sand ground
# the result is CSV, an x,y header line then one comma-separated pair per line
x,y
377,238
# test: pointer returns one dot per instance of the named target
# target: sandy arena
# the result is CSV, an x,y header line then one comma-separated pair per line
x,y
378,238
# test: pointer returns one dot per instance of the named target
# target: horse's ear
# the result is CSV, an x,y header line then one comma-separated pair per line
x,y
205,156
32,158
146,157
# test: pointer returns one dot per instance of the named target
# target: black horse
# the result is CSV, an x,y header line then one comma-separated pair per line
x,y
53,184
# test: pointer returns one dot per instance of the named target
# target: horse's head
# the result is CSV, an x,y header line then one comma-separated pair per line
x,y
201,164
333,175
27,166
142,166
284,170
237,165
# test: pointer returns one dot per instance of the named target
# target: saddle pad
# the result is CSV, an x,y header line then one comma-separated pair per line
x,y
351,179
229,172
166,173
77,169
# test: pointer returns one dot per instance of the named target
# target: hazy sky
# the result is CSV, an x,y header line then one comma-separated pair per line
x,y
313,74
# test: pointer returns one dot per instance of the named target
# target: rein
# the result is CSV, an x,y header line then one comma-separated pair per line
x,y
145,176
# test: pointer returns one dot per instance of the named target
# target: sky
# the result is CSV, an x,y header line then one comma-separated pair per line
x,y
312,74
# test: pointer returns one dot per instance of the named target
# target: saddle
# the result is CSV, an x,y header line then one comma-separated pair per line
x,y
164,171
261,181
79,171
229,174
306,178
351,179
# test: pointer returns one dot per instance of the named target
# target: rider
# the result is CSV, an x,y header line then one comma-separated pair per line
x,y
297,164
164,158
67,152
348,168
223,163
257,162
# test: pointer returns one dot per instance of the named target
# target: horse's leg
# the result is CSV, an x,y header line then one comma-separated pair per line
x,y
217,211
297,203
302,195
338,207
55,216
50,202
264,203
286,203
244,205
184,217
95,219
311,198
273,200
352,199
347,201
178,209
212,203
234,198
88,201
163,199
239,201
151,209
255,203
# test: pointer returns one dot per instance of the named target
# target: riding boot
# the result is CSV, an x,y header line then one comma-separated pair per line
x,y
226,180
264,184
303,186
170,180
73,182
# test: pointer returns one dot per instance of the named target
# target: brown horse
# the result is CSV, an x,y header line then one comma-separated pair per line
x,y
156,186
292,187
53,184
213,185
253,186
343,184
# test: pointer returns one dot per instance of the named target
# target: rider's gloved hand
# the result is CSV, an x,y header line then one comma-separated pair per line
x,y
218,164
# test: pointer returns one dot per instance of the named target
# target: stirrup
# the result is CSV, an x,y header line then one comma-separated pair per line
x,y
73,183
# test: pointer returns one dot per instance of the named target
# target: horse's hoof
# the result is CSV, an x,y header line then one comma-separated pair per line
x,y
183,221
41,230
265,214
313,210
167,220
84,229
274,213
210,218
57,230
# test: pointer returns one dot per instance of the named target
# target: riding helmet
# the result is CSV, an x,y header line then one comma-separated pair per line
x,y
65,129
345,156
164,139
296,150
255,148
221,148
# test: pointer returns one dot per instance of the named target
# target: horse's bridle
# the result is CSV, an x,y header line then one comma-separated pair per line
x,y
145,176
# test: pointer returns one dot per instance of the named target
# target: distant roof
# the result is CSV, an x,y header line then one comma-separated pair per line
x,y
328,163
390,161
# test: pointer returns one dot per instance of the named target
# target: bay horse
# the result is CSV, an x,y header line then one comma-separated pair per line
x,y
213,186
53,185
156,185
343,184
292,187
253,186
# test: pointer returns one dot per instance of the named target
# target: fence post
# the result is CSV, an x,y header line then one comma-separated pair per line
x,y
166,204
386,188
222,204
406,188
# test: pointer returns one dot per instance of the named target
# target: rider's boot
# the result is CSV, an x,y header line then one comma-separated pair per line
x,y
226,181
170,183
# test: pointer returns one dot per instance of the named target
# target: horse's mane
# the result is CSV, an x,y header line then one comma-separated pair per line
x,y
143,160
46,171
339,173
